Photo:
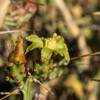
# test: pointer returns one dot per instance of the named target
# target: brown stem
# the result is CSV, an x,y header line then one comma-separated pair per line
x,y
85,55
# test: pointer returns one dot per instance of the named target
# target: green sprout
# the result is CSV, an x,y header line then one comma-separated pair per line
x,y
45,69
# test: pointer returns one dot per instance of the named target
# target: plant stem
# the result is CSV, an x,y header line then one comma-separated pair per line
x,y
85,55
27,89
8,32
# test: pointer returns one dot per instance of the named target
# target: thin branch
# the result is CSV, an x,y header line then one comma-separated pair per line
x,y
9,32
9,94
48,89
97,80
85,55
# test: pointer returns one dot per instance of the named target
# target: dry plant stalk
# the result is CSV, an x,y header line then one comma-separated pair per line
x,y
74,30
4,4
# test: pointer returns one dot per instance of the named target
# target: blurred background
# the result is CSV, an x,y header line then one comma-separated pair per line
x,y
77,21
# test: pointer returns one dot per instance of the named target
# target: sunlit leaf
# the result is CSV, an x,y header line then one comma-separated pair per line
x,y
33,38
32,46
56,44
51,45
36,42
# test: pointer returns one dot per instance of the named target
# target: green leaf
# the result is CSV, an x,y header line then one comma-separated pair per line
x,y
46,54
36,42
32,46
51,45
64,52
56,44
33,38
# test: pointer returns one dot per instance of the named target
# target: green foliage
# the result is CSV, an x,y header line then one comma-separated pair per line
x,y
57,45
43,70
49,46
36,42
27,89
16,74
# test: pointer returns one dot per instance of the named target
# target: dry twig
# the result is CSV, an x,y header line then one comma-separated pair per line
x,y
4,4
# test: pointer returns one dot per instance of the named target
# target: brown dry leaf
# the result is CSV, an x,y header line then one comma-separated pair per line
x,y
75,84
18,56
4,4
19,52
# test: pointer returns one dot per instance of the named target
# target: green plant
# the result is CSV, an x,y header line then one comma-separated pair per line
x,y
45,69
